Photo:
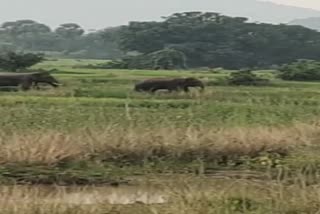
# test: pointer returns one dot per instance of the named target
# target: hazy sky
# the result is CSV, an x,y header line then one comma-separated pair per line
x,y
101,13
314,4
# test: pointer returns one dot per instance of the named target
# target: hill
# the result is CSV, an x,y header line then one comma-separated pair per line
x,y
117,12
313,22
261,11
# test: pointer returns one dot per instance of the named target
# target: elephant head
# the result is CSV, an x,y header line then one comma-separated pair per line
x,y
45,77
193,82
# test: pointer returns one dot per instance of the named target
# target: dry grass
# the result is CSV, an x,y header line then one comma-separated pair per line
x,y
47,148
183,195
133,144
244,196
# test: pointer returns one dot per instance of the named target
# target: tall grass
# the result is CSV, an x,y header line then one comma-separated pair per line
x,y
118,144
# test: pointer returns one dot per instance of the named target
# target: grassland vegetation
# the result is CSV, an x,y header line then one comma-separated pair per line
x,y
99,105
232,148
96,130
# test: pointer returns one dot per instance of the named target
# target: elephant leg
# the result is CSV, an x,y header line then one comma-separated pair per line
x,y
171,89
36,86
53,85
153,90
26,86
176,88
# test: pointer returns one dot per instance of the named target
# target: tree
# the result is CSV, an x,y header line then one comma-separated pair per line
x,y
214,40
15,61
67,40
25,33
168,59
23,26
69,30
102,44
70,35
301,70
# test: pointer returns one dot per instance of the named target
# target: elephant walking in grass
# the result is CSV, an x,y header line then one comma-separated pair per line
x,y
27,80
174,84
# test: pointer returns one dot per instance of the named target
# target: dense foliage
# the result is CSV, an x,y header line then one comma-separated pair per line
x,y
302,70
165,59
67,40
12,61
247,78
213,40
195,39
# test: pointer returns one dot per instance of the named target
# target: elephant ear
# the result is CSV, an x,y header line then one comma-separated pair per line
x,y
51,71
41,71
41,74
190,79
44,73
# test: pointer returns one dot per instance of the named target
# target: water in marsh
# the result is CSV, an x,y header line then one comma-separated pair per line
x,y
82,195
154,190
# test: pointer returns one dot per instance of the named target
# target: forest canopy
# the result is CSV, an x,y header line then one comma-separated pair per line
x,y
214,40
204,40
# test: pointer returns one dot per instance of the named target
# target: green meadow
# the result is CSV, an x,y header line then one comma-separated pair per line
x,y
95,98
95,130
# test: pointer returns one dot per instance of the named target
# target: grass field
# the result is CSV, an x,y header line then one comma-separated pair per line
x,y
96,130
95,98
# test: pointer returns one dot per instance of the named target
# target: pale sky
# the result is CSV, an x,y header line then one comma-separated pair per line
x,y
314,4
99,14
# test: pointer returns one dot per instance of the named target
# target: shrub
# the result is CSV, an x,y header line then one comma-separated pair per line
x,y
15,61
302,70
246,78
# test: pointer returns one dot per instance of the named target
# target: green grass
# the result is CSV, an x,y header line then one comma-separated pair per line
x,y
96,130
93,97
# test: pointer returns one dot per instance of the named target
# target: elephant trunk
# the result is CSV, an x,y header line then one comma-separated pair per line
x,y
202,87
137,88
198,85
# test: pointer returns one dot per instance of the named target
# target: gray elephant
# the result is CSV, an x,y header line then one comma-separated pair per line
x,y
175,84
27,80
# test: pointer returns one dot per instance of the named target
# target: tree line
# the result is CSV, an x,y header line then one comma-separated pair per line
x,y
214,40
190,39
68,39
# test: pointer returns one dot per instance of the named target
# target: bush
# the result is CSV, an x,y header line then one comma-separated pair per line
x,y
12,61
302,70
247,78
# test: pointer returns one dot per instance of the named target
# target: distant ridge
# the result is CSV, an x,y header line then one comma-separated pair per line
x,y
256,10
313,22
106,13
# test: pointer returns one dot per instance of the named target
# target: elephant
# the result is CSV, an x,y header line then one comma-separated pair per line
x,y
27,80
174,84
